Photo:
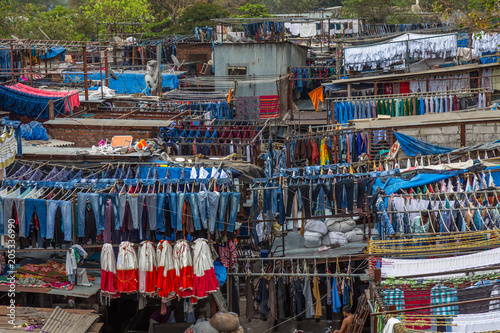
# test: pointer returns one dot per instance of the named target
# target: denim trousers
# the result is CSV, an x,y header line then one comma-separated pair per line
x,y
193,201
203,206
132,202
213,206
103,198
40,206
8,205
221,219
233,211
23,231
82,202
151,205
160,209
65,206
141,198
172,202
3,224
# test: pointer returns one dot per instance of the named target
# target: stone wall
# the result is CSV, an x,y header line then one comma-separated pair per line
x,y
449,135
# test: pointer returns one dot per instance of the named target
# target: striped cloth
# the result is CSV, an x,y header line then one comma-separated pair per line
x,y
394,297
444,295
8,149
269,106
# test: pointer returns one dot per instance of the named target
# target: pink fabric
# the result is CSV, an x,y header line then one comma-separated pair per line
x,y
73,98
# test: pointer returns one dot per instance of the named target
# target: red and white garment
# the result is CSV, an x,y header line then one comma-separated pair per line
x,y
205,282
108,271
127,269
159,269
183,263
147,268
167,284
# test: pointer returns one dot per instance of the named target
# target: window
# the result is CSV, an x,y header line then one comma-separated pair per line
x,y
236,70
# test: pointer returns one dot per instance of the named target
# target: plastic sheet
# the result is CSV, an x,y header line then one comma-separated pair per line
x,y
34,131
413,147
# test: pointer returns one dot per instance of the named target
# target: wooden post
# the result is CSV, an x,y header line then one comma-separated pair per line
x,y
12,62
85,76
158,60
51,109
31,70
106,64
462,135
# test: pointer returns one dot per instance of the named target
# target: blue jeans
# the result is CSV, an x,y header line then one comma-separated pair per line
x,y
224,199
3,225
193,201
40,206
151,204
213,206
233,210
141,197
82,201
173,203
66,206
132,203
202,205
103,197
160,209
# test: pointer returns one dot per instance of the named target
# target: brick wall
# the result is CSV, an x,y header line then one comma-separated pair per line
x,y
86,136
184,49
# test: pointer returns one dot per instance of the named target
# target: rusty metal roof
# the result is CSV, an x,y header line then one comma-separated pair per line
x,y
61,321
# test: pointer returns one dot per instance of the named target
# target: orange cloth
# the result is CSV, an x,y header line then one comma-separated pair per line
x,y
316,96
229,96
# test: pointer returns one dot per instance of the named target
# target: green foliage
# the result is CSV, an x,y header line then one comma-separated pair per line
x,y
253,10
25,21
111,11
380,11
290,6
198,15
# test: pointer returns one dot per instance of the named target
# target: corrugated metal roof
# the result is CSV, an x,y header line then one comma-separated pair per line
x,y
61,321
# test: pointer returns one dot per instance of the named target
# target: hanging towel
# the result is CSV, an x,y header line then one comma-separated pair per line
x,y
316,96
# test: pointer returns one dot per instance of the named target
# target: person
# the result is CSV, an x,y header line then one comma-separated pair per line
x,y
420,225
348,319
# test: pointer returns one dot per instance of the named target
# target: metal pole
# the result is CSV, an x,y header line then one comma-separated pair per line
x,y
158,61
85,77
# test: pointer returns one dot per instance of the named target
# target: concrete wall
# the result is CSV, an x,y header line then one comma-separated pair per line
x,y
259,59
449,136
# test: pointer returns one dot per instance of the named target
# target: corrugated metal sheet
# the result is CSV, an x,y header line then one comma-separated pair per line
x,y
61,321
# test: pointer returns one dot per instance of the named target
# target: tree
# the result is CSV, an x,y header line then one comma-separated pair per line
x,y
290,6
199,15
108,12
253,10
380,11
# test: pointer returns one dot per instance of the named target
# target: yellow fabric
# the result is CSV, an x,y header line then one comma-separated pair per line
x,y
317,297
316,96
8,149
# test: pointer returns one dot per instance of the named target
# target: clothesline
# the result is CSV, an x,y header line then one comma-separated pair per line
x,y
462,92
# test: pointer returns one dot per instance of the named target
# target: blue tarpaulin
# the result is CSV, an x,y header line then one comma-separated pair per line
x,y
127,83
54,52
392,185
413,147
